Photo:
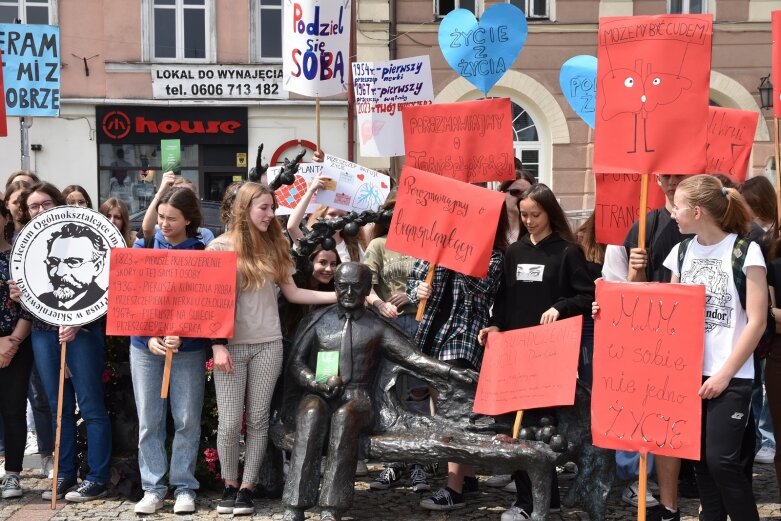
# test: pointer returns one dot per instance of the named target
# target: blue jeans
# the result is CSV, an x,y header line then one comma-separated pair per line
x,y
42,414
186,397
86,360
761,409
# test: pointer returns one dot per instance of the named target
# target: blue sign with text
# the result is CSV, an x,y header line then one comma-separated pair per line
x,y
578,80
31,69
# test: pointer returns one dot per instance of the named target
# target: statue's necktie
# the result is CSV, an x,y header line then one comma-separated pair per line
x,y
346,350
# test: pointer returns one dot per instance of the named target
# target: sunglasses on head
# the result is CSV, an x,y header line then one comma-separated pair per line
x,y
515,192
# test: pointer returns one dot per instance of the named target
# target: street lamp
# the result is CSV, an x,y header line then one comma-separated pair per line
x,y
766,93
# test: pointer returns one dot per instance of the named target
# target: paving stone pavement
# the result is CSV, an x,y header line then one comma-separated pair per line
x,y
396,504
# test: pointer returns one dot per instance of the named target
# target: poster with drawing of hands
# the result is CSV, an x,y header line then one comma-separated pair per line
x,y
357,188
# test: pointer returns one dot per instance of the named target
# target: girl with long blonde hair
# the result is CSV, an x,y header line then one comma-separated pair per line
x,y
247,366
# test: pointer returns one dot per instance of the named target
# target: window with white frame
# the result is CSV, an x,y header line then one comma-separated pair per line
x,y
267,30
532,8
181,30
443,7
28,11
526,141
687,6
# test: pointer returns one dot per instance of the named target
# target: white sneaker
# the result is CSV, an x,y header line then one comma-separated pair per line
x,y
47,467
31,447
2,467
510,487
11,486
185,502
515,513
765,455
148,504
498,480
630,495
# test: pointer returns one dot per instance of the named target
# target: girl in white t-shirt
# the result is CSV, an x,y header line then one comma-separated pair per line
x,y
717,216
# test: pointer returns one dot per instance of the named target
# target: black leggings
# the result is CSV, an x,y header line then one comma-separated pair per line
x,y
721,478
13,406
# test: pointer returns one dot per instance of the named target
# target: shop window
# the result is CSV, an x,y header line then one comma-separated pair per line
x,y
133,172
28,11
267,30
687,6
180,30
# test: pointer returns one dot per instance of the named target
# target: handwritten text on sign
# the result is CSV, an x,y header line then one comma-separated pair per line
x,y
445,222
617,204
516,373
653,77
730,138
31,69
381,89
171,292
648,345
470,141
315,40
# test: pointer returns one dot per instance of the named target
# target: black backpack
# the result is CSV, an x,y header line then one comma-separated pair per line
x,y
739,250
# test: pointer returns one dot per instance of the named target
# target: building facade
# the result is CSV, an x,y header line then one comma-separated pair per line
x,y
209,73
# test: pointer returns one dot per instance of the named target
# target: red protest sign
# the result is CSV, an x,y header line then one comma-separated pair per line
x,y
653,77
617,205
470,141
775,61
516,373
648,344
730,138
183,293
3,122
445,221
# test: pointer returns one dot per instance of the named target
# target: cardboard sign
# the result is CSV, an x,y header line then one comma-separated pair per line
x,y
516,373
60,261
578,82
355,188
185,293
171,156
315,43
730,138
653,84
481,52
445,222
3,121
471,141
617,204
648,346
288,196
381,90
775,61
31,69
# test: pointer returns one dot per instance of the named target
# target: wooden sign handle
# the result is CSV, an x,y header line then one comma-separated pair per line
x,y
517,424
643,484
169,356
422,303
317,121
643,211
63,351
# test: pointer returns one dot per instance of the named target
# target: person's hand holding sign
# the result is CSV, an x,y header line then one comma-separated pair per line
x,y
482,336
9,345
550,316
222,359
14,292
68,333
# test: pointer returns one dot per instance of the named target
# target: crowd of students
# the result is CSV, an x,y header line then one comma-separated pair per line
x,y
539,272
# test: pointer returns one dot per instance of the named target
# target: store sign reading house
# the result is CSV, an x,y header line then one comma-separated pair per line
x,y
217,82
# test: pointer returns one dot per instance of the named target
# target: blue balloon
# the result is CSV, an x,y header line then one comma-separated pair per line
x,y
578,80
483,51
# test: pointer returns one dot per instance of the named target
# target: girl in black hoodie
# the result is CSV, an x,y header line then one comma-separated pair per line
x,y
545,278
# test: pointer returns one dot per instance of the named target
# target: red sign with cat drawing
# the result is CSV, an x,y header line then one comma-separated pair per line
x,y
653,77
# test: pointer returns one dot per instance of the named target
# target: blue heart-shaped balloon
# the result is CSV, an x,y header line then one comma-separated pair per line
x,y
578,80
482,51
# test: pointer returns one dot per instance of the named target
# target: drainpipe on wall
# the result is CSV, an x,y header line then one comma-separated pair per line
x,y
351,90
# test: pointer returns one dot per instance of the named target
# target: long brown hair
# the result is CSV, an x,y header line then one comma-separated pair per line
x,y
261,255
114,202
594,251
184,200
543,196
725,205
43,187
